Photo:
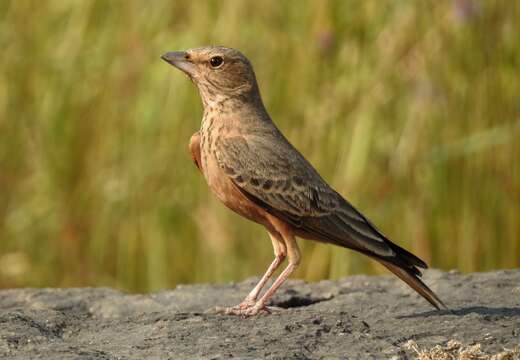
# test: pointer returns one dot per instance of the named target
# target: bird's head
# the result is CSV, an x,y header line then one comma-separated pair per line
x,y
219,73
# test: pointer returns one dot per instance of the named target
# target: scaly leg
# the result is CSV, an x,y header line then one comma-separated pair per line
x,y
280,252
294,256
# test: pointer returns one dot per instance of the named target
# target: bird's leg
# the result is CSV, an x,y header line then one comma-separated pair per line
x,y
293,253
280,252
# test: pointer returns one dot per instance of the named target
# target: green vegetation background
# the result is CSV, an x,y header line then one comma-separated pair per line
x,y
411,109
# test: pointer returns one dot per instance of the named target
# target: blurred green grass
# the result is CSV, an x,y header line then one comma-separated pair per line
x,y
410,109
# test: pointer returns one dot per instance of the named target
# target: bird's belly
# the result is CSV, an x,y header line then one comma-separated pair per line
x,y
228,193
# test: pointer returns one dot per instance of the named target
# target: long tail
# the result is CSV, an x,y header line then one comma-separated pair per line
x,y
411,277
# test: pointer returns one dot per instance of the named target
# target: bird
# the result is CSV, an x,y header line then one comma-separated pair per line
x,y
254,170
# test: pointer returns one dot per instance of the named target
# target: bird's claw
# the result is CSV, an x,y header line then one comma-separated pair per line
x,y
245,304
245,310
256,309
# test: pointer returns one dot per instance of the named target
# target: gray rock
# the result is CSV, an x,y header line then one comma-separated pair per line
x,y
357,317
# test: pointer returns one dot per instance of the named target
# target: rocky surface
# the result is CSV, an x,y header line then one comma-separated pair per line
x,y
357,317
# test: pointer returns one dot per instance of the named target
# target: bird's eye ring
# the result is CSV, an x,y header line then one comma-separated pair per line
x,y
216,61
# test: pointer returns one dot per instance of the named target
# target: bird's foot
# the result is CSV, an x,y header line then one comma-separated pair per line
x,y
245,304
246,310
255,309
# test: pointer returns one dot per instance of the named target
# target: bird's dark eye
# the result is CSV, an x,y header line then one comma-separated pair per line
x,y
216,61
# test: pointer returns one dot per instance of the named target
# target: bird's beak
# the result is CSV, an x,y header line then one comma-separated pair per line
x,y
180,60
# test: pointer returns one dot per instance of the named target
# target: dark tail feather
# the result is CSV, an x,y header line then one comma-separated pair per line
x,y
408,256
412,279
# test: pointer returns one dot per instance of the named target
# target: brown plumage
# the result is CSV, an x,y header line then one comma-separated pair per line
x,y
254,170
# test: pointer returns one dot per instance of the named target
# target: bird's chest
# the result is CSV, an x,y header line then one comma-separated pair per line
x,y
219,183
208,134
217,180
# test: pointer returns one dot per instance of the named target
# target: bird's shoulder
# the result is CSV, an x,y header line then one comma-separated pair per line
x,y
194,148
